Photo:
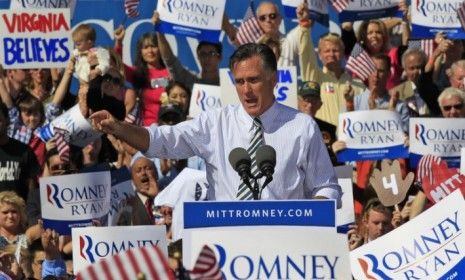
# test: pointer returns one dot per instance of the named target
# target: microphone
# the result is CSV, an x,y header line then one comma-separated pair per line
x,y
241,162
266,161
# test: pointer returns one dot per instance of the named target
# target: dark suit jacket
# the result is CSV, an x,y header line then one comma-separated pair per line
x,y
139,214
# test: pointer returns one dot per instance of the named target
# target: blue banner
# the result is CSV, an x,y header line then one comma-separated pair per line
x,y
393,152
452,162
356,15
248,213
457,272
200,34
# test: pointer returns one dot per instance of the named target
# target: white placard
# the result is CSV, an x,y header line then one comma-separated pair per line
x,y
74,200
35,38
431,246
204,98
93,243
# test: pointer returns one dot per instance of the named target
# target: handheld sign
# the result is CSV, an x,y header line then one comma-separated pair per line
x,y
91,244
436,136
43,4
432,16
285,90
204,97
363,10
318,10
388,183
200,19
437,179
367,138
74,200
431,246
35,38
80,129
122,192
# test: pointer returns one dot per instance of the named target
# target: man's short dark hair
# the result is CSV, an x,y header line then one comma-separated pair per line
x,y
218,46
383,57
247,51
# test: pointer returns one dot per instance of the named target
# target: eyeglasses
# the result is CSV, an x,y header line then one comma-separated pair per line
x,y
447,108
271,16
114,80
209,54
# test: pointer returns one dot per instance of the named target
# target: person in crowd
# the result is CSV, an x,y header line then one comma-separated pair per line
x,y
84,37
178,93
309,102
209,55
149,76
53,264
213,134
19,168
451,101
269,19
16,81
456,74
144,179
271,42
13,221
29,115
336,83
41,84
37,257
418,90
377,220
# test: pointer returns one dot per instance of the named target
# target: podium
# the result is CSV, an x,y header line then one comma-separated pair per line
x,y
285,239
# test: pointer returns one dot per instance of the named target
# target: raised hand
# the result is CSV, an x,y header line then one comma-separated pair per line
x,y
104,122
388,183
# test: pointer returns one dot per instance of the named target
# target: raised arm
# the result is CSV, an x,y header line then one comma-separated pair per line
x,y
62,88
163,45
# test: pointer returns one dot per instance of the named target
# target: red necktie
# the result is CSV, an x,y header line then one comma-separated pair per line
x,y
148,208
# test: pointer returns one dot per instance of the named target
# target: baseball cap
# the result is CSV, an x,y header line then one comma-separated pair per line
x,y
309,89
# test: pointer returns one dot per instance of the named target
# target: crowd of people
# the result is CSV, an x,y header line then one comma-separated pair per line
x,y
143,112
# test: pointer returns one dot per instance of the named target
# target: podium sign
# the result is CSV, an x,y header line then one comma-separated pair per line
x,y
268,239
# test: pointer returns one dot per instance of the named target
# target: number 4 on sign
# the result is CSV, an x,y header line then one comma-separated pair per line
x,y
388,183
391,184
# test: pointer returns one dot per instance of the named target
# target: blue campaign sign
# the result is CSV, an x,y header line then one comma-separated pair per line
x,y
248,213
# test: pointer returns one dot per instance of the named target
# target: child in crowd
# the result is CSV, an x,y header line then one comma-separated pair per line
x,y
91,61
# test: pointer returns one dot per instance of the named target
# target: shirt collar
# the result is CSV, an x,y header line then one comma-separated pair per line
x,y
266,118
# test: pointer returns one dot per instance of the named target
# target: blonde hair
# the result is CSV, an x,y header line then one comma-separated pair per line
x,y
85,32
333,38
10,197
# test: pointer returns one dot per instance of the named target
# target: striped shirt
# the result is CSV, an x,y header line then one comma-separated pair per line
x,y
303,168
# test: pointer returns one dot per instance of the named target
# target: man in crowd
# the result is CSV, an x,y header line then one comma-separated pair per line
x,y
303,168
309,102
335,82
451,101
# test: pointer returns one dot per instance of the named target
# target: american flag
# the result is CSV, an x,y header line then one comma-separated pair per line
x,y
130,7
426,45
62,138
142,262
425,168
360,63
206,267
461,14
249,31
340,5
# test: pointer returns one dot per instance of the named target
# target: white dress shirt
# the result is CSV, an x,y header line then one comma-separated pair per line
x,y
303,168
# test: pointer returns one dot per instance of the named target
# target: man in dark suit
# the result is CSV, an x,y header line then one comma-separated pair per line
x,y
309,102
144,178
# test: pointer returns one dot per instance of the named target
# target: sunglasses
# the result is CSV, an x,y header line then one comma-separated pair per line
x,y
111,79
209,54
271,16
449,107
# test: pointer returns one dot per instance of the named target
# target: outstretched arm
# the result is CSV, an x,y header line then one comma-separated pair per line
x,y
136,136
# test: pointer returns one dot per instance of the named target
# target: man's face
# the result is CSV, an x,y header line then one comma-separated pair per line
x,y
19,76
39,257
144,177
456,79
209,58
254,85
452,107
378,224
268,18
413,67
330,54
308,105
378,79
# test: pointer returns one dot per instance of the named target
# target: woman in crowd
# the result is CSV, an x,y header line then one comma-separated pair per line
x,y
149,75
